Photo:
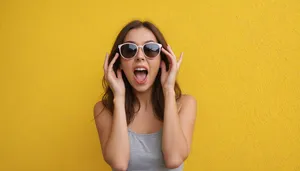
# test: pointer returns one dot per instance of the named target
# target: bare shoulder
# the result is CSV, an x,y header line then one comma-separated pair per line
x,y
102,115
103,120
186,101
187,115
99,108
186,98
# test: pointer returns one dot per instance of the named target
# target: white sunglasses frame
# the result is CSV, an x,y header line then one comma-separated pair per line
x,y
142,47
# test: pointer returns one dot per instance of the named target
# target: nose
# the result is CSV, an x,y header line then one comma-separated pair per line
x,y
140,54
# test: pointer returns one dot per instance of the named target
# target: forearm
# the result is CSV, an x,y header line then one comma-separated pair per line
x,y
117,146
174,144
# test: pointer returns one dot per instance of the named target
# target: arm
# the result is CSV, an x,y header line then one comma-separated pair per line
x,y
112,129
178,125
113,134
177,129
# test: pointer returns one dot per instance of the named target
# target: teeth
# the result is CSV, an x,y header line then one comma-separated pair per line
x,y
140,69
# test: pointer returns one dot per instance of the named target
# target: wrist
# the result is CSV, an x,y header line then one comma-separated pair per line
x,y
119,99
169,91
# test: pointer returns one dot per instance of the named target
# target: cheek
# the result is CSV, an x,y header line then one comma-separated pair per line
x,y
125,66
155,65
158,62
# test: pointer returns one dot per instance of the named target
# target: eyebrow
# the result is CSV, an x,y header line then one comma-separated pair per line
x,y
135,42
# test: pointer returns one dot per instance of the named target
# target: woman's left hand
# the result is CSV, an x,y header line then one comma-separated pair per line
x,y
168,78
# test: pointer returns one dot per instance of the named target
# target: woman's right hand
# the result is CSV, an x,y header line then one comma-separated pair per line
x,y
115,82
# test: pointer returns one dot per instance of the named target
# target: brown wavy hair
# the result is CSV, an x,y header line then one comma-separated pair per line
x,y
157,97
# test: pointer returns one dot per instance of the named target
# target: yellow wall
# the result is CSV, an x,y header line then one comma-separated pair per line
x,y
242,63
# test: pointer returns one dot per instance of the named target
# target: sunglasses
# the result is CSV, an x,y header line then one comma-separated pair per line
x,y
129,50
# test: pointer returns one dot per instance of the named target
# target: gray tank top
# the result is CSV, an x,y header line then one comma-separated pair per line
x,y
146,153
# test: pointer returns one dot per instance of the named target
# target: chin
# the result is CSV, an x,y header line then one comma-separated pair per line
x,y
141,89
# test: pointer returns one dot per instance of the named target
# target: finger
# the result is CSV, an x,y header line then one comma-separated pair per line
x,y
163,67
105,62
119,73
170,50
163,71
169,56
180,60
113,61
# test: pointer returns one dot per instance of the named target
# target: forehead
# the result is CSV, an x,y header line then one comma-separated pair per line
x,y
140,36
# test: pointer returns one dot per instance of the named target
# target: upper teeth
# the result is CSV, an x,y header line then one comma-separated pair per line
x,y
140,69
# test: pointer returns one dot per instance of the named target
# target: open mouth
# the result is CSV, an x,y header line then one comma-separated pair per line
x,y
141,75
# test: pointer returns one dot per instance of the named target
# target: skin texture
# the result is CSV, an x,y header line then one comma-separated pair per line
x,y
179,116
140,37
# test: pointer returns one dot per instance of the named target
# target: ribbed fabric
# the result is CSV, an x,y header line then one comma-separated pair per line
x,y
146,153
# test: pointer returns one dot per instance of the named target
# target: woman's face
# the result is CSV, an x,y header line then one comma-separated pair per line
x,y
140,80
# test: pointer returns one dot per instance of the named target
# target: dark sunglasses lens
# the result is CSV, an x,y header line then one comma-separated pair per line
x,y
151,50
128,50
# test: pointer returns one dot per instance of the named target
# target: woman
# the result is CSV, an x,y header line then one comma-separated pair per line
x,y
143,121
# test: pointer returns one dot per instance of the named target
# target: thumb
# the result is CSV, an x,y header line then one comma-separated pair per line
x,y
163,67
119,73
163,71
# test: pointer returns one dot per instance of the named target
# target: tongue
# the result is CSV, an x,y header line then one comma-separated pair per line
x,y
140,76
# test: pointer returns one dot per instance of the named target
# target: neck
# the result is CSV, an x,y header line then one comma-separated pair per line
x,y
145,99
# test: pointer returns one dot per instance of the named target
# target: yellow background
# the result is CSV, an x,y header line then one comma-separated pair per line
x,y
241,62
